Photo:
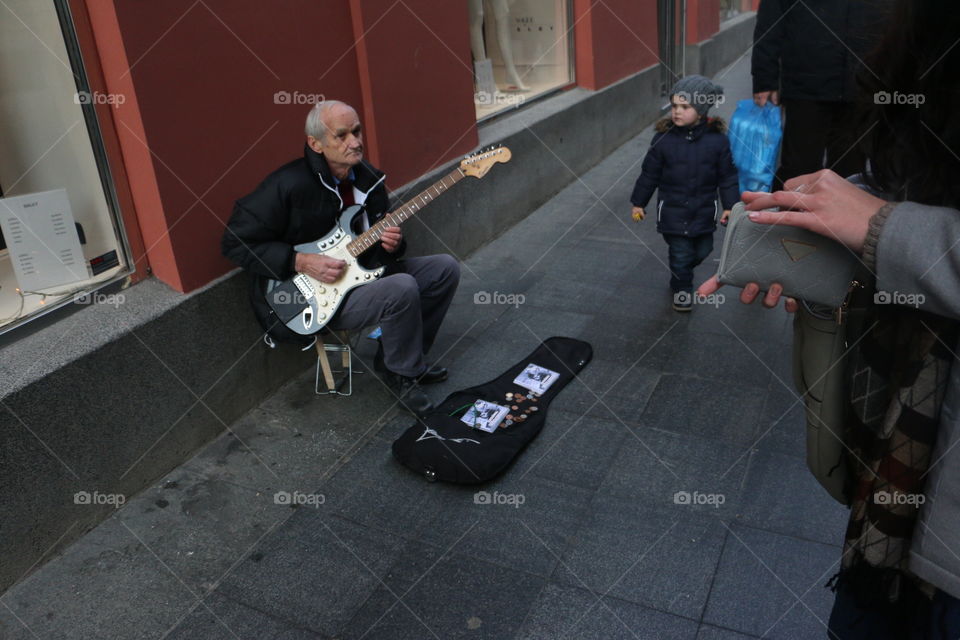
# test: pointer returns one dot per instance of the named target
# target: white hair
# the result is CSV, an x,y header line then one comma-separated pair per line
x,y
315,126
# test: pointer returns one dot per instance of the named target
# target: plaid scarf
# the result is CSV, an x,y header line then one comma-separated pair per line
x,y
898,377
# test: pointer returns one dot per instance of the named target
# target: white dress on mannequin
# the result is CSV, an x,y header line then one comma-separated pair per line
x,y
501,14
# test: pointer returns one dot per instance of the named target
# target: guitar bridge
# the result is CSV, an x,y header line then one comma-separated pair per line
x,y
303,284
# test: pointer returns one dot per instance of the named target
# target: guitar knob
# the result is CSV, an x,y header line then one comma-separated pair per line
x,y
322,290
323,316
323,303
366,276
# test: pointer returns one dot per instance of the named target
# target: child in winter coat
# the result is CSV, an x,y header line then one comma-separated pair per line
x,y
689,161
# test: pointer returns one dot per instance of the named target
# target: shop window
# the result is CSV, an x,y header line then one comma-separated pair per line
x,y
521,50
732,8
61,234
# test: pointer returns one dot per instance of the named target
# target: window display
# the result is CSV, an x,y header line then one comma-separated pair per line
x,y
58,218
732,8
521,50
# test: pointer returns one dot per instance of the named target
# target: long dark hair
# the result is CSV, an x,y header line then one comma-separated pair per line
x,y
909,101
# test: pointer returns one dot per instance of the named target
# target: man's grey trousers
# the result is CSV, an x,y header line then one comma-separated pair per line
x,y
409,303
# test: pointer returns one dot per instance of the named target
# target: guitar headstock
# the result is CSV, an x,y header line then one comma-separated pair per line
x,y
478,164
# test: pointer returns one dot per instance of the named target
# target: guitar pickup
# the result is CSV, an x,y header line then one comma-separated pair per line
x,y
303,284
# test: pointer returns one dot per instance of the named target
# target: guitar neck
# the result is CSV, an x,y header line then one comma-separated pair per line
x,y
372,235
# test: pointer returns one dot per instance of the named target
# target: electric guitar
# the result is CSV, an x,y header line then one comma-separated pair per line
x,y
306,305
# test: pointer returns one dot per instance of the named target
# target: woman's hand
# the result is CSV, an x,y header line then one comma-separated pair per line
x,y
750,293
822,202
638,214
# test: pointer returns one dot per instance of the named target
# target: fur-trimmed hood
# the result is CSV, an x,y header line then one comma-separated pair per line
x,y
713,124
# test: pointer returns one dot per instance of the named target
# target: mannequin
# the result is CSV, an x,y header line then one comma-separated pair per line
x,y
501,14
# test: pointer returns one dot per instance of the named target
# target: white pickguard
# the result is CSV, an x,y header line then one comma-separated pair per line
x,y
325,298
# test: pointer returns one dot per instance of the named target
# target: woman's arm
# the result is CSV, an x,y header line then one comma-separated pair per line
x,y
913,249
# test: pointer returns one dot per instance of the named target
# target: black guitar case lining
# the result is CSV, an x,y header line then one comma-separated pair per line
x,y
441,447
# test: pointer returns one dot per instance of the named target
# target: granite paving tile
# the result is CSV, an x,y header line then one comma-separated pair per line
x,y
563,611
695,406
663,559
760,580
432,594
781,495
315,572
219,618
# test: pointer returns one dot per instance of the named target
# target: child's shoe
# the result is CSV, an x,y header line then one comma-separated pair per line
x,y
683,301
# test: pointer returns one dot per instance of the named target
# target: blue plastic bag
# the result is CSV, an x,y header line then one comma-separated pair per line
x,y
755,134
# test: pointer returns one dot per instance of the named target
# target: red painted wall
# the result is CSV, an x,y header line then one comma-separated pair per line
x,y
614,39
417,84
703,20
205,80
205,76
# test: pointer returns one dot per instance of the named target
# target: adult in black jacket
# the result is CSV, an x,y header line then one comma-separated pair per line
x,y
806,55
301,202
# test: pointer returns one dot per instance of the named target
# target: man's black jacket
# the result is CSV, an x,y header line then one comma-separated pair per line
x,y
811,49
687,166
297,203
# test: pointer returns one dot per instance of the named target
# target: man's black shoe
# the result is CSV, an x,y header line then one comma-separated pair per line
x,y
432,375
411,396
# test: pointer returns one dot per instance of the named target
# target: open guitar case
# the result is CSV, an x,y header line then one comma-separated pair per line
x,y
440,446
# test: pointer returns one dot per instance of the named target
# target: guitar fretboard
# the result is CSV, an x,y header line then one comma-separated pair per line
x,y
372,235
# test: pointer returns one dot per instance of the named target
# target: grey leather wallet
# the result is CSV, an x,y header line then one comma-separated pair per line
x,y
807,265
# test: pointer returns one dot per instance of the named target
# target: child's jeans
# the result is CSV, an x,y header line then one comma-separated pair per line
x,y
685,254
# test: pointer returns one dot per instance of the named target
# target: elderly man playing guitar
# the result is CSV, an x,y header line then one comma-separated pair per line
x,y
300,203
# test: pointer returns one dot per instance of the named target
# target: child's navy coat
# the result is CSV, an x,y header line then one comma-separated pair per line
x,y
689,165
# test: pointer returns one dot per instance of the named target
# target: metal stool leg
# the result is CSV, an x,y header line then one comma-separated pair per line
x,y
323,364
